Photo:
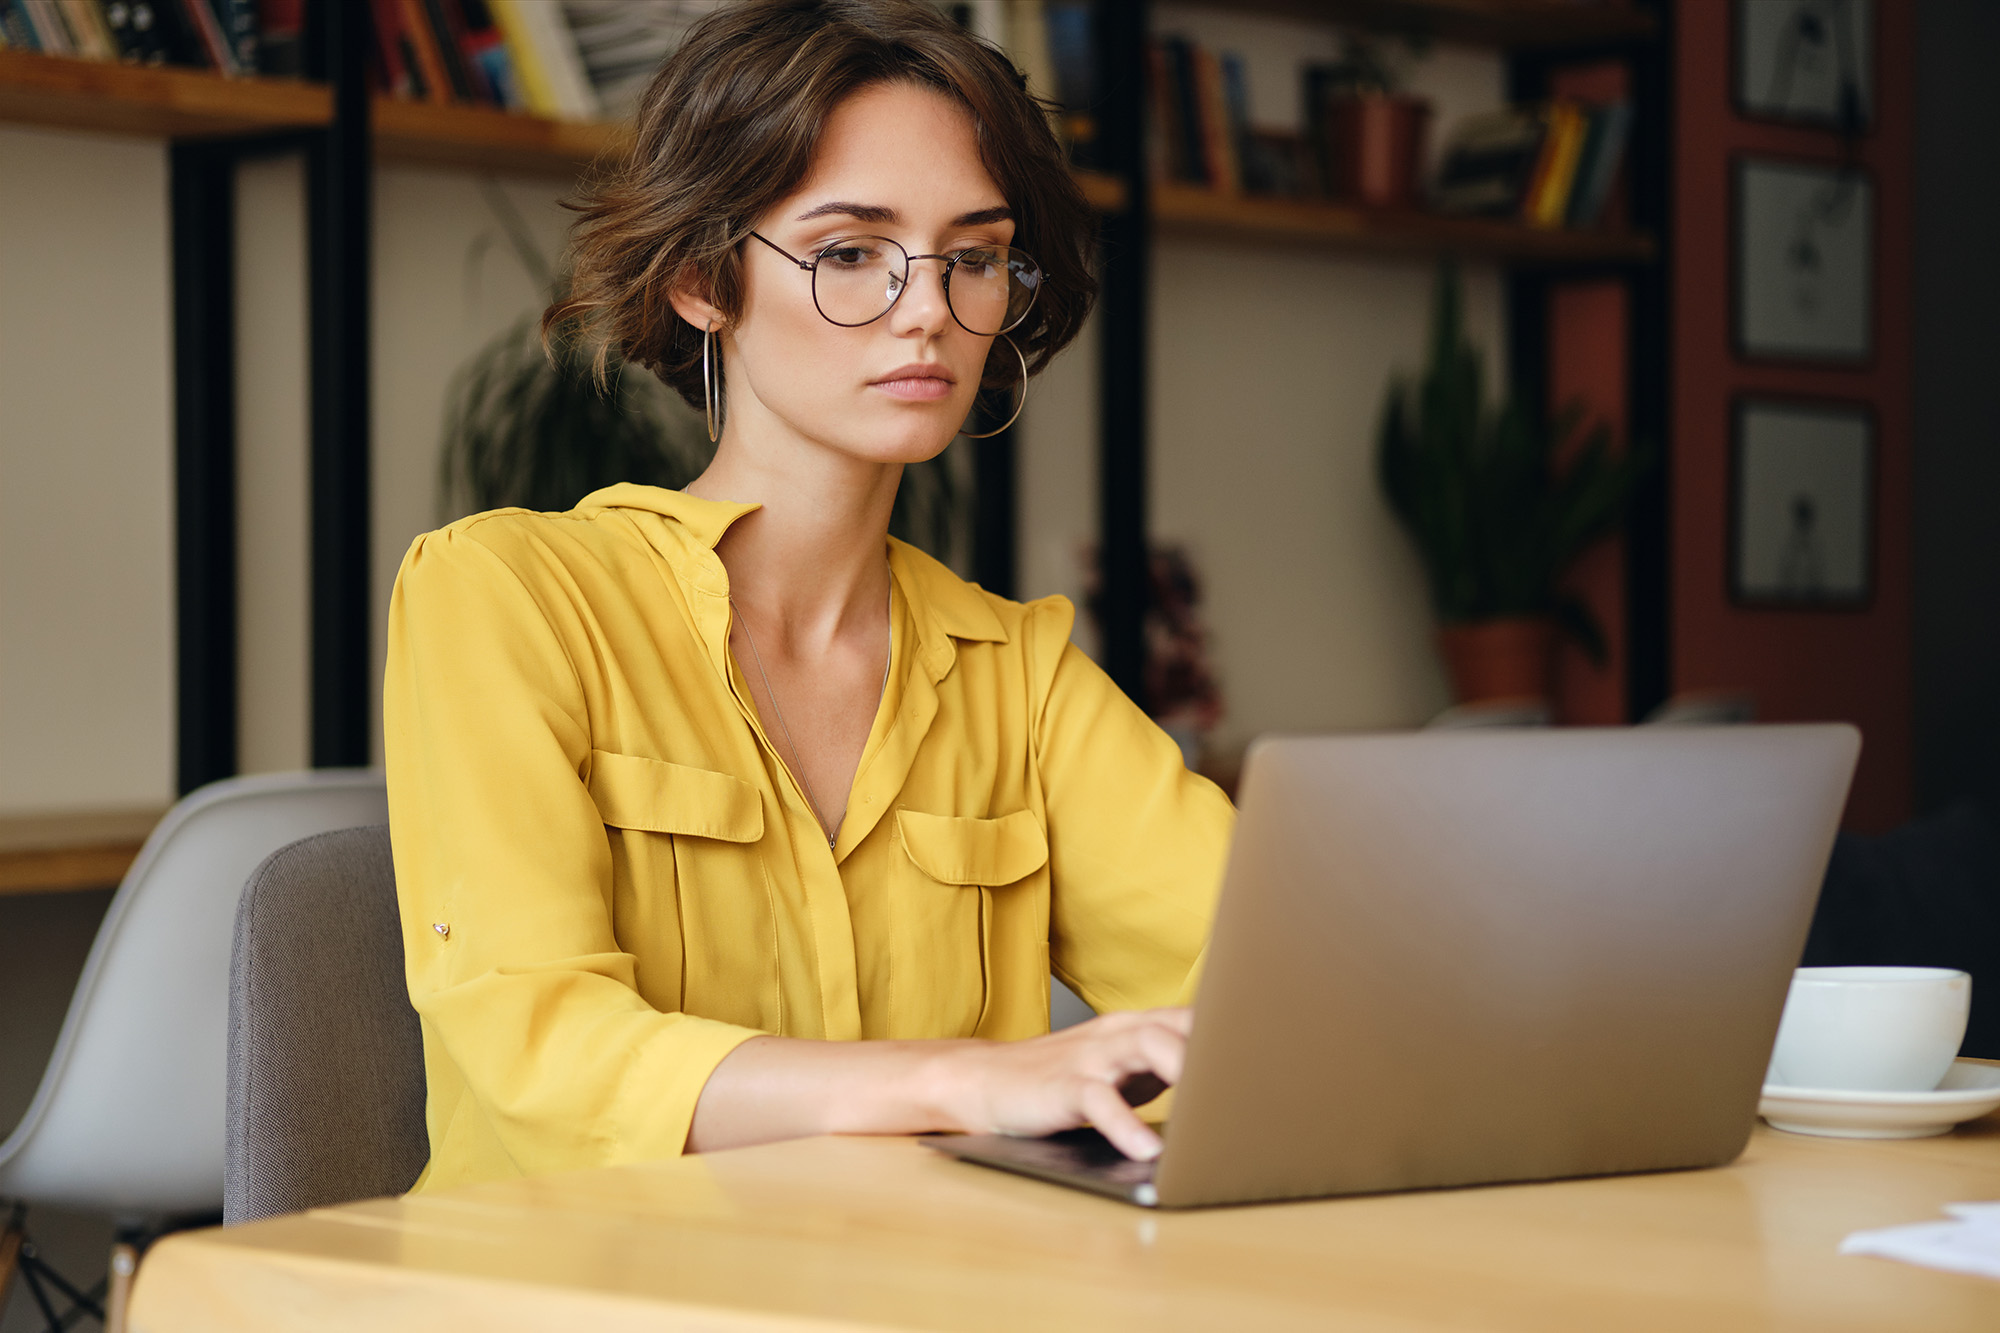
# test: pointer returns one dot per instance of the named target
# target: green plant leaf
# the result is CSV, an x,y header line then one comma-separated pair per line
x,y
1500,506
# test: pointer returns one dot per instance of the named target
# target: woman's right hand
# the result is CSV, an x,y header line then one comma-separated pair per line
x,y
1081,1075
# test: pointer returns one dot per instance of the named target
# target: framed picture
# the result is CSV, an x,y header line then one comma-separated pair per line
x,y
1802,505
1811,61
1805,261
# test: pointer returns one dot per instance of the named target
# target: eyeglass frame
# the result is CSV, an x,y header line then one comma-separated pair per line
x,y
950,262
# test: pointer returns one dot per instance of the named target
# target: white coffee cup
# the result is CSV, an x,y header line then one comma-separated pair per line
x,y
1870,1029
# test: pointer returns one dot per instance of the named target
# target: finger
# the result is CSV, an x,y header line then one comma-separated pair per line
x,y
1107,1111
1165,1051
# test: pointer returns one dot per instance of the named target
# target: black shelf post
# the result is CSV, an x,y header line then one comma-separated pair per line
x,y
338,242
1120,46
1648,670
1649,537
202,201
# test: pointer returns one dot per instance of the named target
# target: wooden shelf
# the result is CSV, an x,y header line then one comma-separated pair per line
x,y
486,139
1508,24
1105,193
152,100
60,853
1186,210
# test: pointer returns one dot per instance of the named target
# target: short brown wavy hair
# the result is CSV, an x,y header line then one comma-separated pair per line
x,y
728,128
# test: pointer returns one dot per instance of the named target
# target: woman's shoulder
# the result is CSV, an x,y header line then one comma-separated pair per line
x,y
531,545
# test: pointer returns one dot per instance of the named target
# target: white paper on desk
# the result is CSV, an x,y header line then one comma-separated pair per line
x,y
1969,1243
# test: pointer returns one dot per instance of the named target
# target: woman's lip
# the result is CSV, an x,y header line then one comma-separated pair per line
x,y
922,382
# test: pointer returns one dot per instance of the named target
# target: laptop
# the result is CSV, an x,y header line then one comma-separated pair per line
x,y
1464,958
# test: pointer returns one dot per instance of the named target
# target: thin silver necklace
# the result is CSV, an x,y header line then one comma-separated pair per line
x,y
798,765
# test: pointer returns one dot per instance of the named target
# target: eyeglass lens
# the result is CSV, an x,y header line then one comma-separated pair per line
x,y
989,289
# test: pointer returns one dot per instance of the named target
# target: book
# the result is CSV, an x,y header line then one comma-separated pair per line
x,y
51,33
1252,173
545,38
1073,61
1597,173
1546,201
15,28
281,37
392,58
237,21
448,38
199,20
1321,85
486,52
621,45
1218,144
1489,162
420,50
87,30
1161,154
532,82
1189,156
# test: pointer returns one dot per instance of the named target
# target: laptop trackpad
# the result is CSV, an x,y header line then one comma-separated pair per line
x,y
1082,1158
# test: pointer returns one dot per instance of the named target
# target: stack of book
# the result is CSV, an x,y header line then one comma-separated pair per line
x,y
1548,165
1199,115
226,35
574,60
1554,164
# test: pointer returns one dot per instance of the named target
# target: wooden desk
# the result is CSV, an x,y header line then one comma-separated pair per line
x,y
883,1234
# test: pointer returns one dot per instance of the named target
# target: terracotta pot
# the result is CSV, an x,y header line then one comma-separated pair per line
x,y
1375,149
1500,659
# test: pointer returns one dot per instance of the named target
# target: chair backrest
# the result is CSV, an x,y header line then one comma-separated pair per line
x,y
326,1061
128,1119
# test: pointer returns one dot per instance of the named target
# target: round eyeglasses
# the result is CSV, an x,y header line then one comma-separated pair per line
x,y
858,279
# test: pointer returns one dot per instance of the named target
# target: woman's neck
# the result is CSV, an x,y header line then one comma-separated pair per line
x,y
809,563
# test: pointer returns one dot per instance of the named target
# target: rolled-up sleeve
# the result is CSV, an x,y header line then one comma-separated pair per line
x,y
537,1043
1136,841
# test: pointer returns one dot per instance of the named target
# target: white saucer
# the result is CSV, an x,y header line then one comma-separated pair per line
x,y
1968,1091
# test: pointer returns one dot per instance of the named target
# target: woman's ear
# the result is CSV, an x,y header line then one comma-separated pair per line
x,y
694,309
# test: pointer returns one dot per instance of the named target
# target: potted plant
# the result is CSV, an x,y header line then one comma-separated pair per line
x,y
1500,508
1371,132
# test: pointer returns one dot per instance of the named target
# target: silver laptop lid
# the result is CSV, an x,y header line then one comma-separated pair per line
x,y
1455,958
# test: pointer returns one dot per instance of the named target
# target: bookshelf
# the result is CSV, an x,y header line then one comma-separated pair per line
x,y
1186,210
169,103
484,139
153,101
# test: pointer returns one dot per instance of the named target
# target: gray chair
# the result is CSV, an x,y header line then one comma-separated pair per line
x,y
326,1073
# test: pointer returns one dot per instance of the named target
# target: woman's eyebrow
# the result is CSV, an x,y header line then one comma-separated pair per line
x,y
983,216
889,216
859,212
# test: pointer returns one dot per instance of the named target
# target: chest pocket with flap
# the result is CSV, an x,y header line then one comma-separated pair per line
x,y
984,852
652,795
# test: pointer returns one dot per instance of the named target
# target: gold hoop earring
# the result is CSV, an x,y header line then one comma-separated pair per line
x,y
989,434
710,382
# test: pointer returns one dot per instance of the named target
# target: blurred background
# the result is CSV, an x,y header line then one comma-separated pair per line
x,y
1458,360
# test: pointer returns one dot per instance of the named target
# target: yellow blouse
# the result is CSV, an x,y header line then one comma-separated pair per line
x,y
609,878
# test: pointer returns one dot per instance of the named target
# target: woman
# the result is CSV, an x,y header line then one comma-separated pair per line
x,y
720,817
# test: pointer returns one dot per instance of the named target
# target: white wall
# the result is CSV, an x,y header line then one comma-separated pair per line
x,y
273,580
444,283
86,496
